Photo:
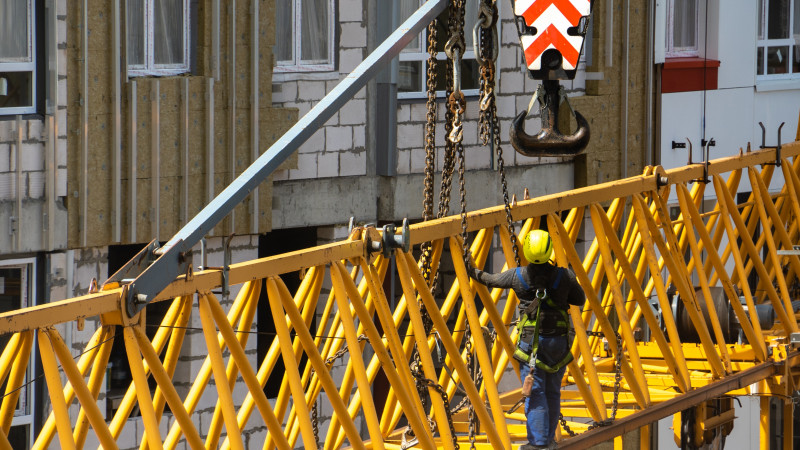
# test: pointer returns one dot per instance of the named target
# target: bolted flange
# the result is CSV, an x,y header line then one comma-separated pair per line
x,y
391,241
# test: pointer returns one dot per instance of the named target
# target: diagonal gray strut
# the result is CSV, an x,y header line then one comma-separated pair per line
x,y
173,260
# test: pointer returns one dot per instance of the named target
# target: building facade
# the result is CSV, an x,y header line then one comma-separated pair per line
x,y
119,121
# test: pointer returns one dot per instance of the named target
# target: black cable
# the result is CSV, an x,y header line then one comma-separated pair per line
x,y
37,378
267,333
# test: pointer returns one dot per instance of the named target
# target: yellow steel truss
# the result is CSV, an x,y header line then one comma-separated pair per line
x,y
641,247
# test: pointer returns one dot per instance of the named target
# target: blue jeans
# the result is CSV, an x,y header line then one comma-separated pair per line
x,y
543,407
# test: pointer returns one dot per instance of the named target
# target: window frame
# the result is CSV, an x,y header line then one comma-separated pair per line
x,y
441,57
764,43
421,54
681,52
25,66
150,68
28,396
295,64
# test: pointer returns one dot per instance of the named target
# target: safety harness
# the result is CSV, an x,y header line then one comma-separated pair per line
x,y
550,319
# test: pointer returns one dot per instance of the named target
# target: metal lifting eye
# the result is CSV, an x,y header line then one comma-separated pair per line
x,y
541,294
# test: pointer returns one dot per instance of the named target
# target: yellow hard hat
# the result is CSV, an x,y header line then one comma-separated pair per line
x,y
538,247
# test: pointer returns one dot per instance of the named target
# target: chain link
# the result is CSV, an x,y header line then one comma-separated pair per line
x,y
489,123
428,383
328,363
430,147
471,419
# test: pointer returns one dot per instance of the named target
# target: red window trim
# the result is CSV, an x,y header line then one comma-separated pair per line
x,y
688,74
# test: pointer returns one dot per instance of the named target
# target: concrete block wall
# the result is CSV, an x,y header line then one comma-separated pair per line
x,y
24,146
339,147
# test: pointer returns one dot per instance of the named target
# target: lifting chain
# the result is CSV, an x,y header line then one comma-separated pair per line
x,y
617,382
486,51
430,148
328,363
457,104
421,380
471,366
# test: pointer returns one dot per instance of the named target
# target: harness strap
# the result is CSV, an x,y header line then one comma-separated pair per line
x,y
559,272
554,368
521,280
532,360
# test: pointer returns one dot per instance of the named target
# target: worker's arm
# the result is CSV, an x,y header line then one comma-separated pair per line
x,y
503,280
575,296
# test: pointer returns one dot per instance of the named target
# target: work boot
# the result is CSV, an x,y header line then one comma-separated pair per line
x,y
533,447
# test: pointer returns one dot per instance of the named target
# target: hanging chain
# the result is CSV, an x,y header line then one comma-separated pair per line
x,y
315,423
486,52
328,363
617,382
471,419
428,383
430,147
457,104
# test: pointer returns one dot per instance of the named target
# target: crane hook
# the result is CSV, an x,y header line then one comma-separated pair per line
x,y
549,141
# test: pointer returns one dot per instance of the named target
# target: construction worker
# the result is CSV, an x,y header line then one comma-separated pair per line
x,y
545,294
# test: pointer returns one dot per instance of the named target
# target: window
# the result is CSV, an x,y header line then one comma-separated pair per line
x,y
682,29
413,67
17,291
17,57
778,47
304,33
158,37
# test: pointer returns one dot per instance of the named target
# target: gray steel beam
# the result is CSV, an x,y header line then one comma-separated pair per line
x,y
683,401
173,260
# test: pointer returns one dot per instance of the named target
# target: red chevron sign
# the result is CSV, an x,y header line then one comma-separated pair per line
x,y
551,19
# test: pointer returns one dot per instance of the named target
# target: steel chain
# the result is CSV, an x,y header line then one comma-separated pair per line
x,y
488,121
471,367
449,148
427,382
315,423
430,146
328,363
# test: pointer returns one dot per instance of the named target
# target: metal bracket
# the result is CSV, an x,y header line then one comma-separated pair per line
x,y
676,144
391,241
226,268
777,147
794,340
135,266
707,157
706,144
203,255
711,143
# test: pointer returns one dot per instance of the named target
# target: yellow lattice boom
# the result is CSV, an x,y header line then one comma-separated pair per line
x,y
644,257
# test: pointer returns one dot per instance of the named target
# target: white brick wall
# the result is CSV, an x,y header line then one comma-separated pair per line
x,y
34,134
338,148
345,134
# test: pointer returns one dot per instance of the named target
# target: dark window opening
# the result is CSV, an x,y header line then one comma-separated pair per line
x,y
119,371
273,243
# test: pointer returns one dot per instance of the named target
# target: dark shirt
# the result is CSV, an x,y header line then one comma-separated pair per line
x,y
568,291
